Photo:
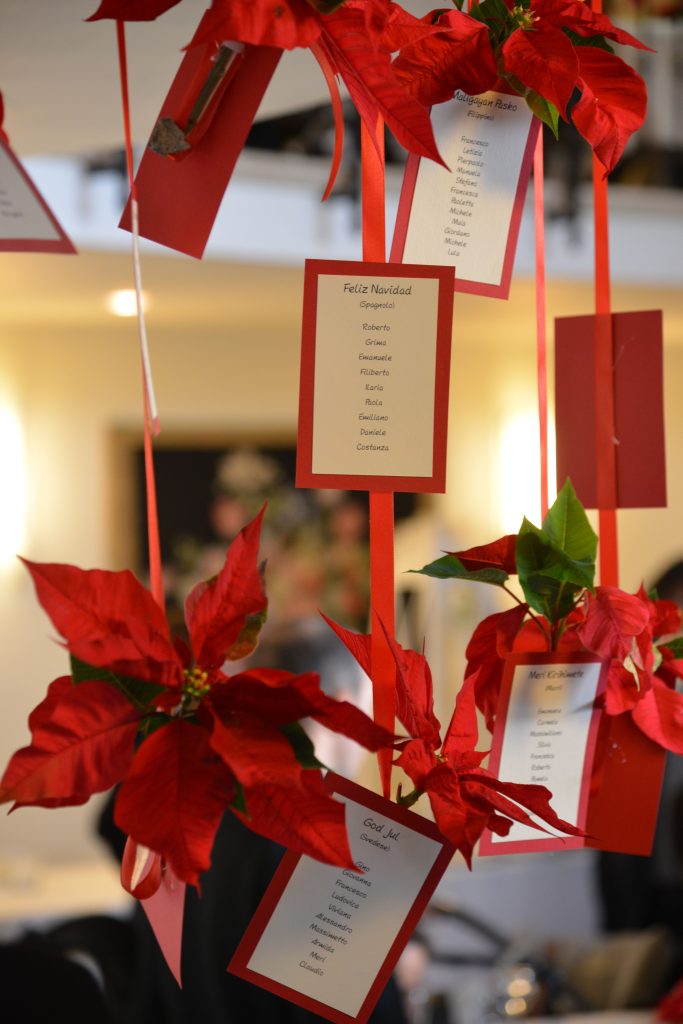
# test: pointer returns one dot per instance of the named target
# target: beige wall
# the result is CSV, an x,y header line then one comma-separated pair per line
x,y
230,362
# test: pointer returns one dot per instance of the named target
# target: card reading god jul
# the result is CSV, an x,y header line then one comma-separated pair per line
x,y
327,938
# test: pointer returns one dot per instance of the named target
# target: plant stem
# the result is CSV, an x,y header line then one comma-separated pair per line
x,y
534,618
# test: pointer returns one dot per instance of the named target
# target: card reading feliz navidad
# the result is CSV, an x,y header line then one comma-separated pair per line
x,y
545,734
26,222
469,216
327,938
375,369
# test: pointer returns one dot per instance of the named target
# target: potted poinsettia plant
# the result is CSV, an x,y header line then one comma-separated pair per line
x,y
184,740
560,609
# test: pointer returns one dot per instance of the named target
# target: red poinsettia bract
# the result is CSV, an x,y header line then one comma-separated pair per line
x,y
184,740
625,630
465,798
354,39
541,49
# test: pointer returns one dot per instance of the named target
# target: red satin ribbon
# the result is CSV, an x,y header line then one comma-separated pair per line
x,y
156,580
320,54
604,389
381,505
541,335
605,461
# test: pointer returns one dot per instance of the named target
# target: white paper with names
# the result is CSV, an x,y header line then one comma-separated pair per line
x,y
22,215
332,929
462,217
375,366
546,735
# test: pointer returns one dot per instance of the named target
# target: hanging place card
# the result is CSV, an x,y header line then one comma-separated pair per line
x,y
604,774
179,197
375,369
545,734
327,938
26,222
638,389
469,216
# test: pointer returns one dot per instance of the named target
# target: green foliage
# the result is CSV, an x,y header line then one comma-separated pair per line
x,y
546,111
557,562
303,749
675,646
139,692
451,568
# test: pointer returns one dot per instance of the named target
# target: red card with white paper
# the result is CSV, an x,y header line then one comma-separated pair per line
x,y
638,387
375,367
545,734
327,938
26,222
179,199
469,216
604,773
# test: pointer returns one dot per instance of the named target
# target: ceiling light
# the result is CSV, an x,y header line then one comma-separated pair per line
x,y
122,302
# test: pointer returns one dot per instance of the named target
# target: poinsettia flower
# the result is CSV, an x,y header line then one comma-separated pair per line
x,y
465,798
565,613
184,740
354,39
534,48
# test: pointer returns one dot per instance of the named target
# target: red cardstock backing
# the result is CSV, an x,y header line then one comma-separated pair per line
x,y
305,477
178,200
622,779
376,803
638,407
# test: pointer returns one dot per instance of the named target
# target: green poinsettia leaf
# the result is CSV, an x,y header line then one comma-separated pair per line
x,y
567,528
597,41
451,568
549,579
675,646
325,6
139,692
302,746
544,110
239,803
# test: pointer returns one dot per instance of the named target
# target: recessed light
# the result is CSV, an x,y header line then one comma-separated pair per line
x,y
122,302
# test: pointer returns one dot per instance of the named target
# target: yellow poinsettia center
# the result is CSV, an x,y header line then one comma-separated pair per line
x,y
195,683
524,17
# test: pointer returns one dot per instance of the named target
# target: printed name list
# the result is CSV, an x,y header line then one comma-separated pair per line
x,y
546,735
462,217
332,928
375,365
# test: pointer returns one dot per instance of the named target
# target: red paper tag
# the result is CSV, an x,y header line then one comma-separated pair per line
x,y
605,775
26,222
375,370
179,198
469,216
327,938
638,407
545,735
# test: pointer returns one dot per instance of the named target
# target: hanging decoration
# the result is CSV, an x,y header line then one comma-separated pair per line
x,y
563,617
465,798
185,741
27,224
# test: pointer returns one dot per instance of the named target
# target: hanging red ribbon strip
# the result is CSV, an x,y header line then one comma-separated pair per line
x,y
381,505
541,334
605,461
151,423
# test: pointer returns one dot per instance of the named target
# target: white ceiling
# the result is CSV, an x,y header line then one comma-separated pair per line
x,y
59,75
